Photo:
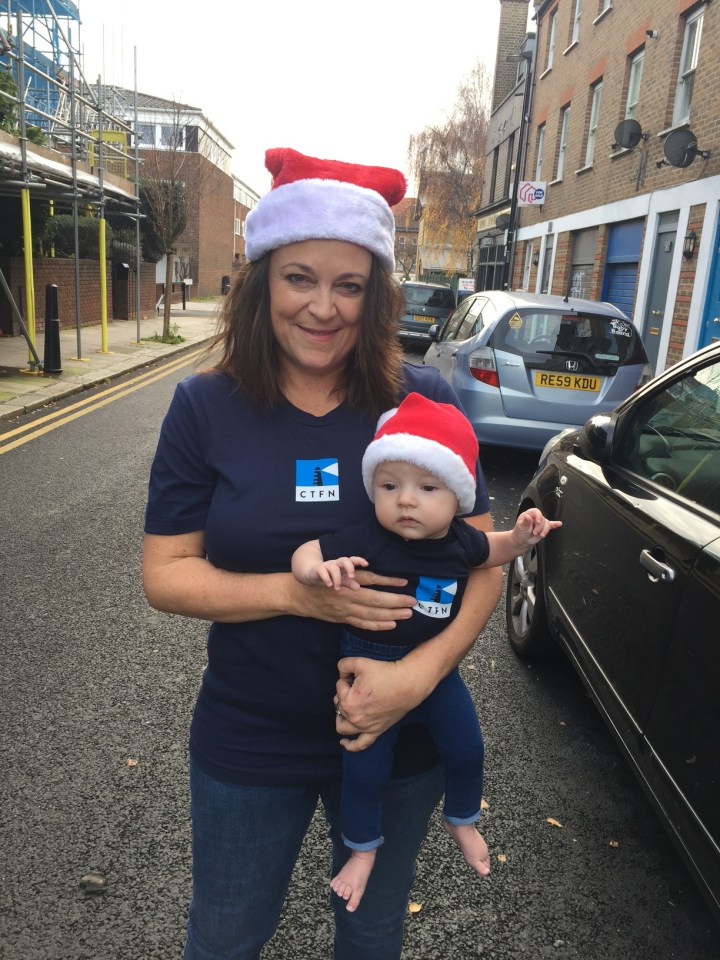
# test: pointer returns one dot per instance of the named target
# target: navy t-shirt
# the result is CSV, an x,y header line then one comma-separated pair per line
x,y
260,484
436,570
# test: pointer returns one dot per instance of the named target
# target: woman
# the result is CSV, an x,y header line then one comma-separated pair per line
x,y
254,458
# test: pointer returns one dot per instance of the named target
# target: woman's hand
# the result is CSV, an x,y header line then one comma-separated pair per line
x,y
372,695
360,608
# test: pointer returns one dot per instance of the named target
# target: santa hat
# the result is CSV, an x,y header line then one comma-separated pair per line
x,y
434,436
315,199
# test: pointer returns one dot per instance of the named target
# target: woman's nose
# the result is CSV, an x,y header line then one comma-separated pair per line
x,y
322,305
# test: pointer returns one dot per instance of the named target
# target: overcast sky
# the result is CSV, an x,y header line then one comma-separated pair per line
x,y
331,79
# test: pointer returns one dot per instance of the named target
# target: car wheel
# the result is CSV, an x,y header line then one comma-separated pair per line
x,y
525,613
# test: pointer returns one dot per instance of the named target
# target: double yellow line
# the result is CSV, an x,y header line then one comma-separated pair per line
x,y
51,421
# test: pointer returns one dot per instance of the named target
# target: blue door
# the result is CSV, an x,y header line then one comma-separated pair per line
x,y
710,329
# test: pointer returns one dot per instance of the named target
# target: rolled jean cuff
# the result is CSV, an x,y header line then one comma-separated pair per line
x,y
362,847
461,821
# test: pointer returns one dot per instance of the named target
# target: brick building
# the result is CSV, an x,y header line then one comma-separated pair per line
x,y
624,131
406,238
178,141
513,70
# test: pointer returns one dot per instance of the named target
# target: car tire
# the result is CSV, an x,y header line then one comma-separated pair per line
x,y
525,611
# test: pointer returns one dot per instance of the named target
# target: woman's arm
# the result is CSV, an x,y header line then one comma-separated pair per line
x,y
178,578
373,695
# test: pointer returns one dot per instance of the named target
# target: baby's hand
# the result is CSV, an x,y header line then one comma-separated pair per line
x,y
531,526
339,573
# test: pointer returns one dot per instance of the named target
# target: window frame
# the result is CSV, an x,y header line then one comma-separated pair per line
x,y
635,71
685,83
562,141
593,121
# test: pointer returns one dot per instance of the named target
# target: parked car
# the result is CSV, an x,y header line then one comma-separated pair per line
x,y
629,589
425,304
526,366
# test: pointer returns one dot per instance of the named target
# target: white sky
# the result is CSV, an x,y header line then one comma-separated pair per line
x,y
319,76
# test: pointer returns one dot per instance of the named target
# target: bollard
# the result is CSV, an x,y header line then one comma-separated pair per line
x,y
52,362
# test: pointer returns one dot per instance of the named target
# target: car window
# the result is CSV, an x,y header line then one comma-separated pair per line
x,y
470,325
601,343
441,297
450,329
673,438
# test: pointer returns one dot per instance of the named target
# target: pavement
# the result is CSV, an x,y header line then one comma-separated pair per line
x,y
23,389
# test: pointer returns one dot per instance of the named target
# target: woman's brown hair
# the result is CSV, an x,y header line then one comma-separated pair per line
x,y
373,373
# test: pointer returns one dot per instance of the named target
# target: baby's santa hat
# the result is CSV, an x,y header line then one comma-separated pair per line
x,y
314,199
434,436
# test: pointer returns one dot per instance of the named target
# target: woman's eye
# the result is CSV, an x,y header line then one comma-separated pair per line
x,y
296,278
352,288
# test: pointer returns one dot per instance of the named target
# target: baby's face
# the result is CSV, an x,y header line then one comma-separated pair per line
x,y
412,502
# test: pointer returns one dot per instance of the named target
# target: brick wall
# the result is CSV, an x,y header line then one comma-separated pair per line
x,y
603,52
62,273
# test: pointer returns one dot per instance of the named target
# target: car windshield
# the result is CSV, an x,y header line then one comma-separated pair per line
x,y
440,297
544,337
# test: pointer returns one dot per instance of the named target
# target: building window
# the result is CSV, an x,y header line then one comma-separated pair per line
x,y
146,134
171,136
552,31
493,175
595,97
634,78
238,226
509,165
688,66
539,151
604,5
562,142
575,23
529,247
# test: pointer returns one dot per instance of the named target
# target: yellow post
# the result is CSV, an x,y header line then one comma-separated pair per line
x,y
51,213
103,287
29,275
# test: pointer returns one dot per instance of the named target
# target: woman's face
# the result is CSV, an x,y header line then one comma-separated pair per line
x,y
317,288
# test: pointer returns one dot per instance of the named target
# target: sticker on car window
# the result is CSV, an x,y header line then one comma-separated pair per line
x,y
621,328
515,321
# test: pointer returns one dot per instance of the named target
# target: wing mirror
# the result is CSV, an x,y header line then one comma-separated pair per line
x,y
596,438
433,332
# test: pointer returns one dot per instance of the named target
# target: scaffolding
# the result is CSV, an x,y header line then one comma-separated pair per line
x,y
61,143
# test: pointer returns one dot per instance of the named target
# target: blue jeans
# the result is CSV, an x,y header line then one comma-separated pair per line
x,y
245,844
449,714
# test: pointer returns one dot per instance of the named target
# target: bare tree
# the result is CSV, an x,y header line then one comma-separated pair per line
x,y
406,255
178,171
448,163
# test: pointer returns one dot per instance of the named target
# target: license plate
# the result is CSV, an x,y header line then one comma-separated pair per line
x,y
427,320
568,381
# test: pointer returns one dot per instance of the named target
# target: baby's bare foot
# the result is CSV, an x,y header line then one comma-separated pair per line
x,y
472,846
350,882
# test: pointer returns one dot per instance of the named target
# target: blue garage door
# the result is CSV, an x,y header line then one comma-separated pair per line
x,y
620,285
622,264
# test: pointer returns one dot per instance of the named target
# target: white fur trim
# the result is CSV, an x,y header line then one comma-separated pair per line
x,y
428,454
321,210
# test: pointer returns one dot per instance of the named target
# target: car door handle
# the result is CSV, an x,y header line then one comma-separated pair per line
x,y
656,569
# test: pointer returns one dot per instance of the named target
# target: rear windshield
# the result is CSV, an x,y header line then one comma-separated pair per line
x,y
543,338
441,297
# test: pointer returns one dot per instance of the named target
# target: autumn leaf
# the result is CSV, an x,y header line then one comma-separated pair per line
x,y
414,907
484,805
131,762
502,858
553,822
615,844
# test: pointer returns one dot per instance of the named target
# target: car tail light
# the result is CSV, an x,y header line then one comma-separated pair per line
x,y
482,366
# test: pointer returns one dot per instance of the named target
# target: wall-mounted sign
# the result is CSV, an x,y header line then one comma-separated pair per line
x,y
531,193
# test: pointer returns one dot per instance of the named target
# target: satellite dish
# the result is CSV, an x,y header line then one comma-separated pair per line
x,y
502,222
628,134
680,148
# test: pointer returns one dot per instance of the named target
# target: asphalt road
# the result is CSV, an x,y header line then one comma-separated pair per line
x,y
96,692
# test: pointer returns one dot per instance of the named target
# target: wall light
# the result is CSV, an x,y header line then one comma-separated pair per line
x,y
689,244
536,258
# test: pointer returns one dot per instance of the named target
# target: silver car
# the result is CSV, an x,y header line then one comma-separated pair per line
x,y
527,366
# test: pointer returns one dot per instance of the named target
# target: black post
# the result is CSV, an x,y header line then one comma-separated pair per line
x,y
52,362
528,57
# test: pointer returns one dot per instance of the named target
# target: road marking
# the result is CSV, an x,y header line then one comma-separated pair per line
x,y
74,411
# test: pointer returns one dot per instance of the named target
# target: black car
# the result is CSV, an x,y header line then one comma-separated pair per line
x,y
425,305
629,589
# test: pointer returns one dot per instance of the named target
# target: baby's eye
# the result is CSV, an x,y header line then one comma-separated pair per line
x,y
428,487
388,486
